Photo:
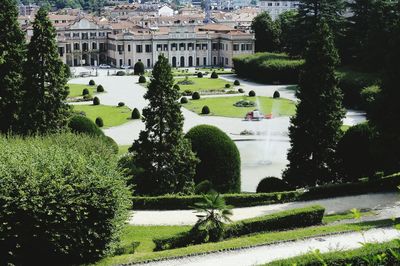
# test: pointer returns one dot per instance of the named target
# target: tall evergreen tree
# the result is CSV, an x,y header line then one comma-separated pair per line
x,y
290,33
266,32
12,54
163,156
315,129
44,106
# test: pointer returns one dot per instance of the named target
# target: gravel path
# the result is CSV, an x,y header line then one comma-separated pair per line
x,y
268,253
386,205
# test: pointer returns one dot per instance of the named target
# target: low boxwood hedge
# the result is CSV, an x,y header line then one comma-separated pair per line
x,y
295,218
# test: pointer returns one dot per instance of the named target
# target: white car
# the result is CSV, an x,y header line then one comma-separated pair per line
x,y
125,67
104,66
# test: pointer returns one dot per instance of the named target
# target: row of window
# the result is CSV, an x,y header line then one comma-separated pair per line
x,y
85,35
243,47
85,47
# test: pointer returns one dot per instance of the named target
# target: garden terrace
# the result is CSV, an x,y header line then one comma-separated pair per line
x,y
111,115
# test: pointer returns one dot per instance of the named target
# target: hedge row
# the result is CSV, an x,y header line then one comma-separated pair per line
x,y
174,202
268,68
295,218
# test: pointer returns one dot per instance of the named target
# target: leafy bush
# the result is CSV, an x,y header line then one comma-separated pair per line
x,y
96,101
121,104
81,124
196,95
236,82
219,158
214,75
241,90
184,100
276,94
252,93
205,110
368,98
199,75
67,196
203,187
268,68
142,79
272,184
91,82
138,68
99,122
227,85
85,91
121,73
111,143
100,88
176,87
244,103
87,97
187,93
135,114
185,81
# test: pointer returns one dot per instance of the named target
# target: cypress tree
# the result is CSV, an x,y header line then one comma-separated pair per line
x,y
163,156
12,54
315,129
267,33
44,107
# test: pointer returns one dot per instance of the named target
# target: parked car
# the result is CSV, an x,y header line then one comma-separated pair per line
x,y
125,67
257,116
104,66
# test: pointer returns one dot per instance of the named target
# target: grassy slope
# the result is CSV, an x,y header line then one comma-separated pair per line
x,y
205,83
112,115
122,149
223,106
75,90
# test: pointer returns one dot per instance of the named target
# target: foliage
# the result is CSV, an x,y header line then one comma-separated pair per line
x,y
195,96
99,122
205,110
120,73
236,82
96,101
85,91
142,79
92,82
240,90
204,187
82,124
184,100
227,86
244,103
252,93
272,184
120,104
314,132
70,201
100,88
214,75
266,32
219,158
199,75
369,95
162,152
290,28
138,68
136,114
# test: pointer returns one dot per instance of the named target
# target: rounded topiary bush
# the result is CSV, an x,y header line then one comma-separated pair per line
x,y
276,94
138,68
142,79
252,93
99,122
184,100
63,201
236,82
195,95
176,87
219,158
82,124
241,90
120,104
199,75
272,184
91,82
227,85
100,88
121,73
205,110
204,187
135,114
85,91
214,75
96,101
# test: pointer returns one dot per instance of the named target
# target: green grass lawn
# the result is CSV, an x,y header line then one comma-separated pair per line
x,y
75,90
346,215
112,115
203,84
122,149
223,106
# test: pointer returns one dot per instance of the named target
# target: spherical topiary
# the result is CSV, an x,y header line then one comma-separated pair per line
x,y
85,91
204,187
82,124
138,68
176,87
99,122
276,94
252,93
227,85
214,75
92,83
120,104
142,79
199,75
240,90
184,100
236,82
205,110
121,73
100,88
96,101
272,184
70,200
219,158
135,114
195,95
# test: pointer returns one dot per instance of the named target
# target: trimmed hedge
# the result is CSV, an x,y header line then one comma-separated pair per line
x,y
96,101
285,220
142,79
205,110
138,68
184,100
91,82
135,114
268,68
82,124
99,122
272,184
195,96
100,88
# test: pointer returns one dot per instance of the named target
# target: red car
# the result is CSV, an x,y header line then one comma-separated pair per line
x,y
256,116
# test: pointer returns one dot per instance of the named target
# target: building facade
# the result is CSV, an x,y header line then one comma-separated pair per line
x,y
277,7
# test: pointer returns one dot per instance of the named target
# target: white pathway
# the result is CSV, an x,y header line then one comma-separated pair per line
x,y
268,253
387,205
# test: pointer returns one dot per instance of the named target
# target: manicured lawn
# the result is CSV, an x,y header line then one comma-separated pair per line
x,y
112,115
223,106
75,90
144,234
203,84
346,215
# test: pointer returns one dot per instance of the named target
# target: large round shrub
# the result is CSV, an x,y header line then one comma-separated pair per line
x,y
142,79
99,122
176,87
272,184
96,101
184,100
227,85
199,75
81,124
91,82
135,114
236,82
138,68
252,93
100,88
85,91
214,75
219,158
196,95
63,201
276,94
205,110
